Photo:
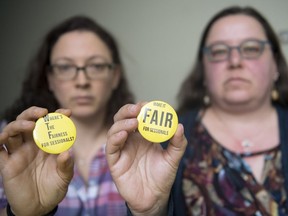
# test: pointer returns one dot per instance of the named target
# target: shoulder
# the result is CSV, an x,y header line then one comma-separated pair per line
x,y
187,116
282,113
188,119
281,110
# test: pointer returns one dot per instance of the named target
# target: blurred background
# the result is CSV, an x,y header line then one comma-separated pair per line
x,y
158,39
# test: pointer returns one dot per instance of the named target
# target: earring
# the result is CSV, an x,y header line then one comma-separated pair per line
x,y
274,94
206,100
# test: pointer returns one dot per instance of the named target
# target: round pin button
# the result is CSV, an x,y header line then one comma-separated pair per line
x,y
157,121
54,133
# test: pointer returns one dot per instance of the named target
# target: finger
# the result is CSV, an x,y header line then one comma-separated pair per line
x,y
66,112
129,125
19,126
32,113
65,166
16,133
128,111
3,137
113,147
125,119
117,136
176,147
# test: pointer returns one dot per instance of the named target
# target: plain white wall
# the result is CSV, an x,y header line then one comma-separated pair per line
x,y
158,38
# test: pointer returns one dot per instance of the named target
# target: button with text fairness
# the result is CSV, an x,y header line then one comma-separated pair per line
x,y
157,121
54,133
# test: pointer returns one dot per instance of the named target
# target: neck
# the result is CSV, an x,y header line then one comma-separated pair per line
x,y
245,116
245,108
243,131
89,130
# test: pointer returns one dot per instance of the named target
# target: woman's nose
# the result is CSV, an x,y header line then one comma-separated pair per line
x,y
235,57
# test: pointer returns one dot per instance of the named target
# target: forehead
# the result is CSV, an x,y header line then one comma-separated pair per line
x,y
234,28
79,44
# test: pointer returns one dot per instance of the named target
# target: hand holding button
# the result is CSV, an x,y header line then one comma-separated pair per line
x,y
146,167
41,178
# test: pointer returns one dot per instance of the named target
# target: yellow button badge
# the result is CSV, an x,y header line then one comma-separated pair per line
x,y
157,121
54,133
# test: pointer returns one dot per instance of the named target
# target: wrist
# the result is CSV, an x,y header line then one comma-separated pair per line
x,y
155,211
10,212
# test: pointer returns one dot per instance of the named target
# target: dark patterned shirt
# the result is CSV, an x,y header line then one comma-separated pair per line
x,y
218,182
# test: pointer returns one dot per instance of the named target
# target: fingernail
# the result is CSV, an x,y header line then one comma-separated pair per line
x,y
131,121
181,128
132,108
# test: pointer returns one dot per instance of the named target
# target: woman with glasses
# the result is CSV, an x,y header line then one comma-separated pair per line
x,y
233,106
77,67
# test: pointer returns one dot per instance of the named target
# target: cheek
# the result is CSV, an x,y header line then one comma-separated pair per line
x,y
263,73
213,76
60,91
112,82
106,87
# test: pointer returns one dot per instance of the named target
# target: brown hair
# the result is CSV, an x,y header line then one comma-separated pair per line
x,y
192,92
35,90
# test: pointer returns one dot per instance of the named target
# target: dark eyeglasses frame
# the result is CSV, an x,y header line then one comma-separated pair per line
x,y
262,43
109,66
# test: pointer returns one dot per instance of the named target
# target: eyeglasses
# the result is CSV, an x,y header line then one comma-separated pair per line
x,y
67,72
248,49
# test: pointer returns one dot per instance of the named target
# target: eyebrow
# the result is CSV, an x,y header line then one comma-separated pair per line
x,y
94,57
227,42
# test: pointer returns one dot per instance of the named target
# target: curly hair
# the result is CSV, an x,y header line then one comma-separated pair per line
x,y
35,89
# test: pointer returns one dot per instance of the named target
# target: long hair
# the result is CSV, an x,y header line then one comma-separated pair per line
x,y
35,89
192,92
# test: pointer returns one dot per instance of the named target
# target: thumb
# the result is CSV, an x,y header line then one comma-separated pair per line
x,y
65,165
177,147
